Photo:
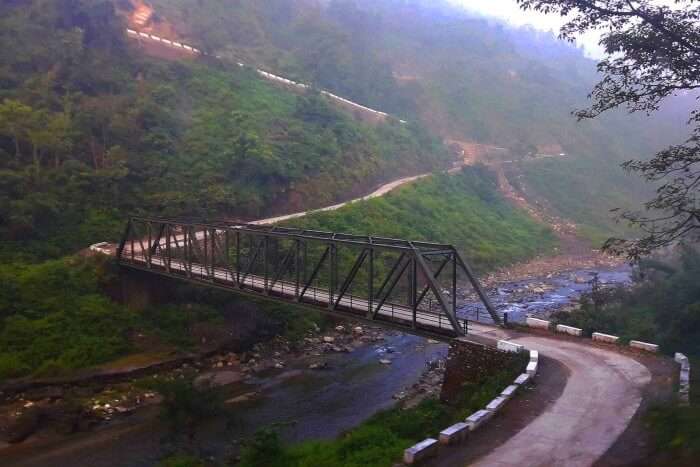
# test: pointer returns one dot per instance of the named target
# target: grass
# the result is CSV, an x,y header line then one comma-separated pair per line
x,y
464,209
676,429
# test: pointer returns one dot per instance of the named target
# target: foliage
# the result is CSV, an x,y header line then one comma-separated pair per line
x,y
676,433
55,318
181,461
464,209
380,440
90,130
663,308
653,50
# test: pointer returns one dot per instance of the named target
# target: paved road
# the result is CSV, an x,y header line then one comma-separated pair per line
x,y
602,394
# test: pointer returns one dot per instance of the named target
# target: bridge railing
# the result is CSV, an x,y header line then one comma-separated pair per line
x,y
404,283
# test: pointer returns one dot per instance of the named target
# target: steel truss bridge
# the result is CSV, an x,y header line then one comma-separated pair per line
x,y
407,285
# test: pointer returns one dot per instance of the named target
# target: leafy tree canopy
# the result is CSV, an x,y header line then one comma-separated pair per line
x,y
653,53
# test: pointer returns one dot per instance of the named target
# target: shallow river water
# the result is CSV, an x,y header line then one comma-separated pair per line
x,y
320,404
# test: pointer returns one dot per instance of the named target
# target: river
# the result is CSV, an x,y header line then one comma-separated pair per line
x,y
320,404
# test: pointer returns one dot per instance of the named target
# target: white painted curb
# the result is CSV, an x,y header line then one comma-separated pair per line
x,y
599,336
454,434
421,451
537,323
684,378
534,356
510,391
644,346
531,369
476,419
496,404
522,379
507,346
564,329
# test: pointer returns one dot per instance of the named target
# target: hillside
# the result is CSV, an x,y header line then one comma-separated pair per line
x,y
464,209
468,79
91,130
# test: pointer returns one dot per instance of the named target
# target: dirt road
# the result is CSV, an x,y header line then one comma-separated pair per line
x,y
381,191
602,393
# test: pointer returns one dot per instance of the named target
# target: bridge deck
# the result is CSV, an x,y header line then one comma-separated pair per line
x,y
390,314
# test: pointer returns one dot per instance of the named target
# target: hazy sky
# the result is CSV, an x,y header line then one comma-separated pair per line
x,y
509,11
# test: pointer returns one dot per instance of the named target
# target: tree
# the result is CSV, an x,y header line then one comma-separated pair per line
x,y
653,53
15,122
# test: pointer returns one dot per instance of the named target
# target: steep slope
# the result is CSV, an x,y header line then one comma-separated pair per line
x,y
91,130
468,79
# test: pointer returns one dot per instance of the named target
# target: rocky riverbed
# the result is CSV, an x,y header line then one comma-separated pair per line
x,y
315,388
540,296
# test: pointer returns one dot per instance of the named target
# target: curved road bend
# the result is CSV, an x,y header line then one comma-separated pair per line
x,y
602,394
381,191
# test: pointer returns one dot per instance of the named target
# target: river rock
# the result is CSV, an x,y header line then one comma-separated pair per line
x,y
385,361
242,398
328,339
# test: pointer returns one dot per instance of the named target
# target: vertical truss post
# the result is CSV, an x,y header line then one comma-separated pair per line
x,y
297,266
132,242
454,284
226,258
305,261
413,290
148,252
168,251
370,281
266,247
331,269
205,255
213,253
122,242
238,258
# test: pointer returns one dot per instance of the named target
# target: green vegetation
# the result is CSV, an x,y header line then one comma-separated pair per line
x,y
181,461
677,435
664,307
381,440
464,209
464,77
55,318
91,130
676,429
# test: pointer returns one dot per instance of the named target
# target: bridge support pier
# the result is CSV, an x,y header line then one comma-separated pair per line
x,y
139,290
471,362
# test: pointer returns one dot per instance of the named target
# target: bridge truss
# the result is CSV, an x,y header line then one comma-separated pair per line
x,y
411,286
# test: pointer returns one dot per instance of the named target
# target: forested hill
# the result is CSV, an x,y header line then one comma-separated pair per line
x,y
92,130
466,78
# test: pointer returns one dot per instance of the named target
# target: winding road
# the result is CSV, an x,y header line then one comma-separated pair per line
x,y
381,191
602,393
